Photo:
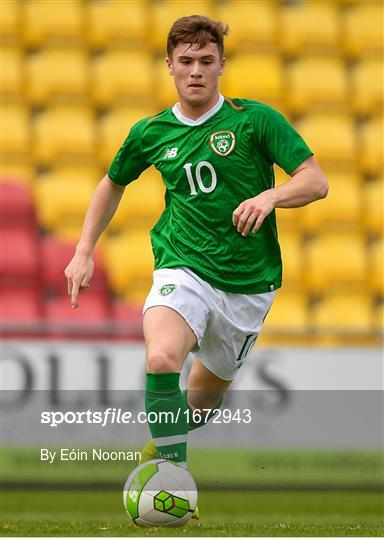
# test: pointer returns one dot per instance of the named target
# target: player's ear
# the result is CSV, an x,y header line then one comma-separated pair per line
x,y
222,63
169,64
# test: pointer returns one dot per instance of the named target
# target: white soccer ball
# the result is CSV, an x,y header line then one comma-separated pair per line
x,y
160,493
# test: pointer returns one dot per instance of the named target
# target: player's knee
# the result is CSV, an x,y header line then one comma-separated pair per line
x,y
162,361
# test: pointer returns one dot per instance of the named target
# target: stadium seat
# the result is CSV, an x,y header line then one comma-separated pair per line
x,y
17,171
376,266
92,315
289,314
113,129
20,259
53,23
61,198
256,76
316,83
142,203
10,27
127,320
164,92
19,307
367,86
12,73
331,137
135,261
252,25
17,210
342,209
55,256
117,23
309,27
362,29
57,75
349,312
122,78
379,318
165,12
292,255
371,150
372,201
15,135
64,135
336,261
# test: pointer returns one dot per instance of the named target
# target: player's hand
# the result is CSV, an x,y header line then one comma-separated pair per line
x,y
252,212
79,273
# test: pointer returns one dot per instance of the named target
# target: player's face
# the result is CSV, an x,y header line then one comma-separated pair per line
x,y
196,73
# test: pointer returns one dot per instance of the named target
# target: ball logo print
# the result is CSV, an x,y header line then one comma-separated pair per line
x,y
160,493
222,142
167,289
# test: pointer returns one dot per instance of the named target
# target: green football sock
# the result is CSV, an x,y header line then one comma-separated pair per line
x,y
193,424
165,407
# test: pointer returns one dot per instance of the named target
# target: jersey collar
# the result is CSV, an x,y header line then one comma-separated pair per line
x,y
189,122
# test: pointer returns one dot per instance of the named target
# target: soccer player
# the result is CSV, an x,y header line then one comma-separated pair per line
x,y
216,251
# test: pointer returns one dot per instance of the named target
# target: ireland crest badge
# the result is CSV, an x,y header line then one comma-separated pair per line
x,y
222,142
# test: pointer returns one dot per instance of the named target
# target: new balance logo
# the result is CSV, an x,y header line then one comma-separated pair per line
x,y
170,153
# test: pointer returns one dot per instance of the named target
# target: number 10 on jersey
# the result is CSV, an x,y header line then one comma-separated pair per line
x,y
192,182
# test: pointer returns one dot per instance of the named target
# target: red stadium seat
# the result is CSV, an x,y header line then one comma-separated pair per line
x,y
20,259
55,256
16,206
19,306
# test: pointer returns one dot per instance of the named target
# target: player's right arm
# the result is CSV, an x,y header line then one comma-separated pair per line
x,y
102,207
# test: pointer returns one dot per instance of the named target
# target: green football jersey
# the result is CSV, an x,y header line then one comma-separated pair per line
x,y
209,166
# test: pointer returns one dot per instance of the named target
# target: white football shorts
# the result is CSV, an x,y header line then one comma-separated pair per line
x,y
226,325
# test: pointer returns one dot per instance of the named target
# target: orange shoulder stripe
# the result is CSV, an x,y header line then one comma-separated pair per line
x,y
233,105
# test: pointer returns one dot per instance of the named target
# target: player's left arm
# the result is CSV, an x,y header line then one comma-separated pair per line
x,y
308,183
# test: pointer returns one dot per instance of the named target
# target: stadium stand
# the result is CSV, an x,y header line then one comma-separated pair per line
x,y
77,75
47,84
298,30
253,25
117,24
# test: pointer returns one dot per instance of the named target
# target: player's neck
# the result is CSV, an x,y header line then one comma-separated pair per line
x,y
195,112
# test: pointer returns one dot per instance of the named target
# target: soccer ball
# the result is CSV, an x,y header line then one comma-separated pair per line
x,y
160,492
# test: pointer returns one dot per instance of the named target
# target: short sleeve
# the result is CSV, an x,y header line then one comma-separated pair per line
x,y
281,142
129,161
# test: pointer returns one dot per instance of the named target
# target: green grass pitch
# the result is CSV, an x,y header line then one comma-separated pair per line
x,y
261,513
261,493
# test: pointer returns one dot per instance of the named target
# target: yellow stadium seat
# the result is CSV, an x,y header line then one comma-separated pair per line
x,y
117,23
10,22
343,207
310,27
336,261
251,24
114,127
17,171
289,314
316,83
129,261
58,23
373,205
331,137
292,255
379,318
122,78
62,198
376,266
164,91
57,75
348,312
15,135
63,134
142,203
12,74
258,77
371,149
165,12
367,86
362,29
